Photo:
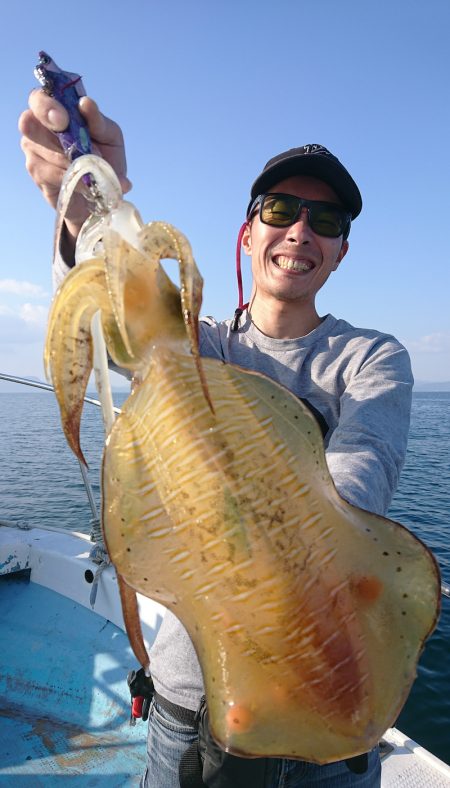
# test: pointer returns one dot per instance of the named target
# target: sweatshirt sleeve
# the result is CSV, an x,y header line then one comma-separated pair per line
x,y
367,449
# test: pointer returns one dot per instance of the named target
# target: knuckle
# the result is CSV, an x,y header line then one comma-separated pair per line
x,y
22,121
34,172
39,101
30,166
118,131
48,192
56,158
26,145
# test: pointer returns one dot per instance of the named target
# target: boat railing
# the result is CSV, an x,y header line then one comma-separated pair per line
x,y
98,552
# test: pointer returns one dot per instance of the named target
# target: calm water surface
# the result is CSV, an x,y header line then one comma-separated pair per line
x,y
40,484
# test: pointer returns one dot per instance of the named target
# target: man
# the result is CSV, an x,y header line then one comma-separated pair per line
x,y
357,381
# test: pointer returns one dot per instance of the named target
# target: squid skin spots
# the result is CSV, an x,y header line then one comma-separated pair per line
x,y
368,588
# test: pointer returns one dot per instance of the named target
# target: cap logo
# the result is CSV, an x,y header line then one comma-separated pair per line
x,y
316,149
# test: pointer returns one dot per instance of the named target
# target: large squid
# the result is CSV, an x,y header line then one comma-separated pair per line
x,y
307,614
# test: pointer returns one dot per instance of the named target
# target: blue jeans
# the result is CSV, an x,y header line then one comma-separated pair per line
x,y
168,739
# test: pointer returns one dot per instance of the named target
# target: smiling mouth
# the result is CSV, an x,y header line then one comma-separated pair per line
x,y
292,263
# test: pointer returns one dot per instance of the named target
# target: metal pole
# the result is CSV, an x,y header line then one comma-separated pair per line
x,y
90,494
46,387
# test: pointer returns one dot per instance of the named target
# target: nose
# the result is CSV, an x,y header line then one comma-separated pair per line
x,y
300,231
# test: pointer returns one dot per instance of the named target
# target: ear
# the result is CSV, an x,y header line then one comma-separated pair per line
x,y
247,240
341,255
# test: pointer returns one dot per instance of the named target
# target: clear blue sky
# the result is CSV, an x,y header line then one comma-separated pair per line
x,y
206,91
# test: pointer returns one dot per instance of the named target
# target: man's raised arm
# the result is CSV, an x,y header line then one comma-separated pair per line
x,y
46,162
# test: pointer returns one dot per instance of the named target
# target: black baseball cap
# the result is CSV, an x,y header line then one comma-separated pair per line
x,y
312,160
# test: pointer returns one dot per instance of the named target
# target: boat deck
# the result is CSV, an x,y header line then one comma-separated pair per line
x,y
52,727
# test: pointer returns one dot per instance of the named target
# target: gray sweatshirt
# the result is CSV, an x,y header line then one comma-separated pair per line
x,y
360,382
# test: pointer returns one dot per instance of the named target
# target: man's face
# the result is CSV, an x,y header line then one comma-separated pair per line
x,y
293,263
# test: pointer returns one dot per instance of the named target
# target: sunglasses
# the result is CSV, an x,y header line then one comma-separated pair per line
x,y
282,210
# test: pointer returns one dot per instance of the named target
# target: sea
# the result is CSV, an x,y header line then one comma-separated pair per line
x,y
41,484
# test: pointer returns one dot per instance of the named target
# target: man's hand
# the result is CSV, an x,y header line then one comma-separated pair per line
x,y
45,160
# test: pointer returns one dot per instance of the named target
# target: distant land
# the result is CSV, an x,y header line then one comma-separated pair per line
x,y
425,385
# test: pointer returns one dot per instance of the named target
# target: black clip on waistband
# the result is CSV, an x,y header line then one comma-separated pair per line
x,y
180,713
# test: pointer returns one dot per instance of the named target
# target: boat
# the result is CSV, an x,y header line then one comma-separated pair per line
x,y
64,699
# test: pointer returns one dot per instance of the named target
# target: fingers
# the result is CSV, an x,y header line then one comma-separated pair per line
x,y
45,174
48,111
45,160
107,137
102,129
35,137
48,176
46,163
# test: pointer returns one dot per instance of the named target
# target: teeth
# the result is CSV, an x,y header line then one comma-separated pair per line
x,y
292,265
